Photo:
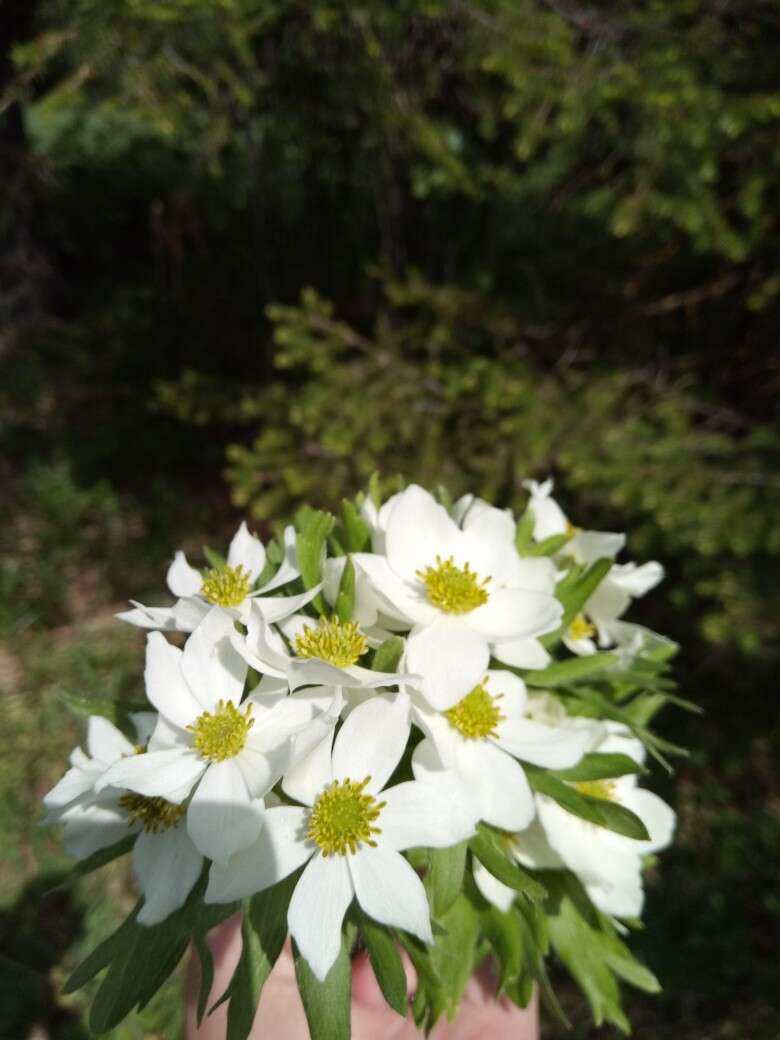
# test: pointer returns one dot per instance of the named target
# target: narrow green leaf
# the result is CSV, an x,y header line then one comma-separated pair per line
x,y
548,546
599,765
453,956
486,847
102,955
326,1003
573,595
386,962
564,673
246,984
388,655
444,879
505,938
622,961
603,813
310,546
214,558
206,961
357,533
345,600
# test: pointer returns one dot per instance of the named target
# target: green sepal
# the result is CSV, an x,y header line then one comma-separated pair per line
x,y
388,654
357,533
599,765
603,813
327,1002
386,962
444,878
214,559
345,600
486,846
313,528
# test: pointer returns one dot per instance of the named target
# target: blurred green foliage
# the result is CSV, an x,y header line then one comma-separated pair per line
x,y
289,243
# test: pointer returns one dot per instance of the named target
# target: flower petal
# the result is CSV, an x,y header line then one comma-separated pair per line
x,y
516,614
91,828
307,779
505,798
372,740
213,669
246,550
165,684
279,850
148,617
157,773
655,814
495,891
434,813
317,910
167,866
450,656
390,891
418,530
188,613
222,818
105,742
392,595
275,608
183,580
555,748
522,653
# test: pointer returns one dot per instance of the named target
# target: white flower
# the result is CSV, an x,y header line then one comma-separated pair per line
x,y
228,587
326,652
233,751
165,861
608,864
480,738
462,588
350,833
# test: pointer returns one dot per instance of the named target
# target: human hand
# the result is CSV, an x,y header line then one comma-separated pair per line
x,y
280,1014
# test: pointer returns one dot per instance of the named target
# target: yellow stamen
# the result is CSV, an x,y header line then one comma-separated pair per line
x,y
455,590
154,814
581,628
225,586
343,817
340,643
222,734
477,715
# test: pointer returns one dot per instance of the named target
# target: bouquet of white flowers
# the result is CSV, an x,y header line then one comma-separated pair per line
x,y
420,725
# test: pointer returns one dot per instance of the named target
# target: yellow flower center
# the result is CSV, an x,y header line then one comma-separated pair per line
x,y
225,586
222,734
343,817
477,715
455,590
597,789
340,643
571,530
154,814
581,628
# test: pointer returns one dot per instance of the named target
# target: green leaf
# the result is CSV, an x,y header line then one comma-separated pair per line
x,y
622,961
548,546
326,1003
388,655
313,532
486,846
563,673
386,962
103,954
453,956
444,879
524,532
504,936
206,962
96,860
215,560
357,533
599,765
603,813
345,600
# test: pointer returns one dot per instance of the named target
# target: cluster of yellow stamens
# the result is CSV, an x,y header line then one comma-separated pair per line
x,y
597,789
581,628
226,586
340,643
222,734
343,817
453,589
154,814
477,715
